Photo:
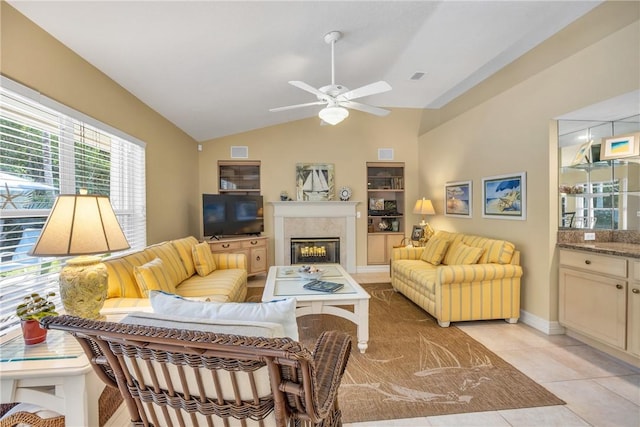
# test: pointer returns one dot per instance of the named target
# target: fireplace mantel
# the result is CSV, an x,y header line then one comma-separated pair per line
x,y
317,219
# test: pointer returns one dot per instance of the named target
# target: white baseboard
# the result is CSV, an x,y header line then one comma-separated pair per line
x,y
545,326
372,269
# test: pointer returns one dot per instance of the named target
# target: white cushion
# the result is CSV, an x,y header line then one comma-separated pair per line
x,y
233,327
280,311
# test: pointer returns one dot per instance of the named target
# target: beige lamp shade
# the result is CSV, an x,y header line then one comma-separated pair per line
x,y
80,225
424,207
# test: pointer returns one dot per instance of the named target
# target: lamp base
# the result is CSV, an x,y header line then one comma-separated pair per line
x,y
83,287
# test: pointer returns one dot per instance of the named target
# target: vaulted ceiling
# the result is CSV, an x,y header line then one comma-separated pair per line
x,y
216,68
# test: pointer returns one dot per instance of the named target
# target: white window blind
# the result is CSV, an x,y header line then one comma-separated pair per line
x,y
48,149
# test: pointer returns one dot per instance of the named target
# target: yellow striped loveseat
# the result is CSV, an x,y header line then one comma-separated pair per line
x,y
457,277
133,275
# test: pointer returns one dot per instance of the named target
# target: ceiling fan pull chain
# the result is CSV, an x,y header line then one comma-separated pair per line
x,y
333,69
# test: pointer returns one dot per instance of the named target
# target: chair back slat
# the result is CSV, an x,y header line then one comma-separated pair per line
x,y
174,377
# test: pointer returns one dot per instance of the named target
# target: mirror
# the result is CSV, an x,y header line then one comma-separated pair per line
x,y
594,193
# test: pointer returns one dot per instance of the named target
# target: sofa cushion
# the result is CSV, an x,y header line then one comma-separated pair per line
x,y
461,254
496,251
153,276
280,311
183,246
202,259
248,328
221,286
171,259
121,282
434,250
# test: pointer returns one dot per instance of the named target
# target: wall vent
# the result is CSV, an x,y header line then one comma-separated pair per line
x,y
385,153
240,152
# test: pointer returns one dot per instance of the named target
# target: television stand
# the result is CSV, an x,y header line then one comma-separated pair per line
x,y
254,248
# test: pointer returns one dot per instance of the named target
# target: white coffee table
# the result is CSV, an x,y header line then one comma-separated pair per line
x,y
283,282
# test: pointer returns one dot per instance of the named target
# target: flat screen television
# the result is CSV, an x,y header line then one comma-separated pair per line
x,y
232,215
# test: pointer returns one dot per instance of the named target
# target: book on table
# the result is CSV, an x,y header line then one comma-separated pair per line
x,y
322,286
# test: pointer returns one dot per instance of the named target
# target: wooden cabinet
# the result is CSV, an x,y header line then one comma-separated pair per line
x,y
239,177
254,248
385,213
598,302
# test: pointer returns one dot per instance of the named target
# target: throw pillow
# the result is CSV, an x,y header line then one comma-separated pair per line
x,y
231,327
202,259
280,311
153,275
434,250
464,254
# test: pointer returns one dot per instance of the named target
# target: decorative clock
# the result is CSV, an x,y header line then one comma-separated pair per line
x,y
345,194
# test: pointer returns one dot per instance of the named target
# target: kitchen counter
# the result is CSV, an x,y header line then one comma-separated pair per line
x,y
631,250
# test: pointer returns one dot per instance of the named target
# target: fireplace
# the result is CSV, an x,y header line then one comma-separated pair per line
x,y
315,220
315,250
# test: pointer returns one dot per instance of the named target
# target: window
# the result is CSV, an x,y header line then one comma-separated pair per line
x,y
597,207
47,149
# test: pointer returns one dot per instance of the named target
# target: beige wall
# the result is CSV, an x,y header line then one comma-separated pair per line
x,y
33,58
348,146
511,133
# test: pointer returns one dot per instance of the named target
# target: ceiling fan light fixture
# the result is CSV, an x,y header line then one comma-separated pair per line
x,y
333,115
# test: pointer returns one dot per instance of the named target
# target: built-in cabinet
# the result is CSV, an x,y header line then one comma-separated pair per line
x,y
254,248
385,213
239,177
600,301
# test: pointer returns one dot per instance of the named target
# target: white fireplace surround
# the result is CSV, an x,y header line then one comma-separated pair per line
x,y
315,219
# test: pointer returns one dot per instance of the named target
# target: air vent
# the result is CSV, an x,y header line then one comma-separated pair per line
x,y
239,152
385,153
417,76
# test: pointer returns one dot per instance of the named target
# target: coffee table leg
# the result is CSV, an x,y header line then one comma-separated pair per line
x,y
361,310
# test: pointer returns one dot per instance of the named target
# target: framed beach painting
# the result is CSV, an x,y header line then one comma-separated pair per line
x,y
458,199
621,146
314,181
505,196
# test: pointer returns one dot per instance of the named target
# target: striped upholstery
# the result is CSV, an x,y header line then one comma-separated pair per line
x,y
434,250
171,259
153,275
122,283
463,254
183,246
453,293
202,259
227,283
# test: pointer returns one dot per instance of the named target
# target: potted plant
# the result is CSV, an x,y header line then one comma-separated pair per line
x,y
33,308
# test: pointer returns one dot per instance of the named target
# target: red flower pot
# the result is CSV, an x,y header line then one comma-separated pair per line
x,y
32,332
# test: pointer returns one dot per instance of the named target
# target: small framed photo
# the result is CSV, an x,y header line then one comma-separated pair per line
x,y
417,233
505,196
583,155
458,199
376,204
618,147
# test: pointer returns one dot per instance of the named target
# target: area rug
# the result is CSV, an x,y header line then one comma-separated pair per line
x,y
414,368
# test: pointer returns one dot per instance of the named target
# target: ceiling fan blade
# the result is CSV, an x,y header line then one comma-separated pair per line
x,y
309,88
365,108
370,89
291,107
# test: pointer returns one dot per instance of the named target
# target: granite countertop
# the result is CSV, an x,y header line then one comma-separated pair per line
x,y
631,250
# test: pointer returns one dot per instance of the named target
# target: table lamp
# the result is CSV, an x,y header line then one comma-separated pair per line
x,y
82,225
425,207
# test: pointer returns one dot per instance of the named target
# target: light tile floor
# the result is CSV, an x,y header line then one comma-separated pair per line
x,y
599,390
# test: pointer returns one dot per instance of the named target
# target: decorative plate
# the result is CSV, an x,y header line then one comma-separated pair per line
x,y
345,193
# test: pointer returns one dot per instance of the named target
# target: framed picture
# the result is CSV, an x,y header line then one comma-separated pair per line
x,y
458,199
505,196
314,181
583,155
621,146
376,204
417,232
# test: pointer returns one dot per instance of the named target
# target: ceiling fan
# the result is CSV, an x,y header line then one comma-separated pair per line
x,y
337,97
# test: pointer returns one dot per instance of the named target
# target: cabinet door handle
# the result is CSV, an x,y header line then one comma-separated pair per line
x,y
635,290
258,258
619,286
254,242
586,261
225,245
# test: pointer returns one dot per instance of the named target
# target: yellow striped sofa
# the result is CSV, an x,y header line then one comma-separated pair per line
x,y
226,283
476,278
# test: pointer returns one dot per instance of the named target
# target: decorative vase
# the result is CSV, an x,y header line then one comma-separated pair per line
x,y
32,332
